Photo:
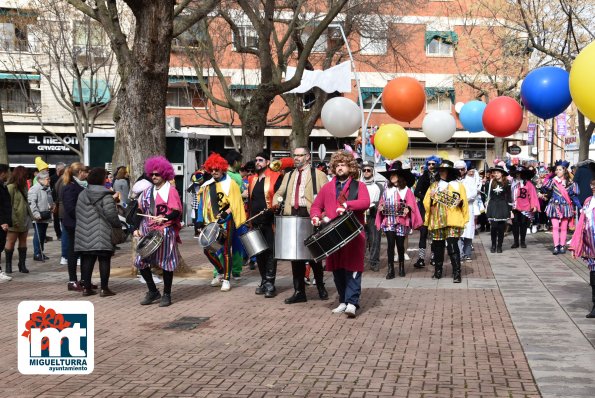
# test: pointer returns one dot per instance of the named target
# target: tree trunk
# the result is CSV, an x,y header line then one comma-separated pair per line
x,y
3,147
254,122
140,112
299,134
498,149
584,134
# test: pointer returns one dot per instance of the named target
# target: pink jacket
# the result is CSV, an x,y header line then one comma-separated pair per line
x,y
525,198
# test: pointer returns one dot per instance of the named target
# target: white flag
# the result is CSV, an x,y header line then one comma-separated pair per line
x,y
337,78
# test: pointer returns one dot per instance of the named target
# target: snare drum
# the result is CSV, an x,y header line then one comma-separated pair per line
x,y
333,236
212,237
290,232
254,242
149,244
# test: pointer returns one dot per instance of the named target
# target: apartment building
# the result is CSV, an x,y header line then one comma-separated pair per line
x,y
438,46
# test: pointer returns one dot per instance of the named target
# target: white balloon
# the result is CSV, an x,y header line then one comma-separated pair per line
x,y
459,106
321,152
341,116
439,126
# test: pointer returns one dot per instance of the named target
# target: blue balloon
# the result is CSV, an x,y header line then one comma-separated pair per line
x,y
546,91
471,116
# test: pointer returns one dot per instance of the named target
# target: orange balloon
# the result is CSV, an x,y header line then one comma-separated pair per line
x,y
403,98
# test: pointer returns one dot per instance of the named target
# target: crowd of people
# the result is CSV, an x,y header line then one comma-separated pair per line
x,y
448,203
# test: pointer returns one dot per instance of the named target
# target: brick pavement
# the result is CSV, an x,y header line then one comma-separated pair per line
x,y
413,337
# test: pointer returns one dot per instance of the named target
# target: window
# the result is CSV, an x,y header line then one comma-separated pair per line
x,y
321,44
441,43
195,36
13,37
186,95
241,92
88,38
373,42
19,96
439,102
370,99
248,37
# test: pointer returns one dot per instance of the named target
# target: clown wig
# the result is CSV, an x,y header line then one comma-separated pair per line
x,y
347,158
161,165
216,162
433,158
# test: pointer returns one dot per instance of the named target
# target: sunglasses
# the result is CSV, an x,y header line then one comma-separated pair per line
x,y
155,175
431,164
367,170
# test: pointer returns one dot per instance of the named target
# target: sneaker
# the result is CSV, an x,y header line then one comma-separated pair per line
x,y
340,309
63,261
165,300
216,282
75,287
150,298
350,311
307,281
225,286
534,229
4,277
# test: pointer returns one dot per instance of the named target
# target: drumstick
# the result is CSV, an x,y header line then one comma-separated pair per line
x,y
254,216
149,216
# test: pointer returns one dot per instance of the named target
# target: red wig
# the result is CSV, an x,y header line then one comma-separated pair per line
x,y
216,162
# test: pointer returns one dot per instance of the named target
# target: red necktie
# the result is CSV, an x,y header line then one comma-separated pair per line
x,y
296,199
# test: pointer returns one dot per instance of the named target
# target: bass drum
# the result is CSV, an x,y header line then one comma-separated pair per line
x,y
254,242
149,244
333,236
290,232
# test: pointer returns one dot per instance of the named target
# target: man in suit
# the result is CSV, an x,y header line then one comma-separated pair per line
x,y
298,190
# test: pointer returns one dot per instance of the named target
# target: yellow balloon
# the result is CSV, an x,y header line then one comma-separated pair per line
x,y
582,84
443,155
391,140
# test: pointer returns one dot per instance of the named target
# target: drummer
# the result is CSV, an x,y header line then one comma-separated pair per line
x,y
344,193
261,190
297,192
162,202
220,201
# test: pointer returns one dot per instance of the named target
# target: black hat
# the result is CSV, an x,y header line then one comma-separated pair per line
x,y
404,172
527,173
392,169
500,169
446,164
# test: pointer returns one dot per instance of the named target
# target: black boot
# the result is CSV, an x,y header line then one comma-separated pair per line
x,y
322,293
22,259
455,260
437,270
592,280
8,267
515,245
391,271
523,245
401,268
299,294
420,263
271,272
493,248
261,288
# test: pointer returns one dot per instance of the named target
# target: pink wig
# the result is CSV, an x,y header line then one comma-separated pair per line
x,y
216,162
161,165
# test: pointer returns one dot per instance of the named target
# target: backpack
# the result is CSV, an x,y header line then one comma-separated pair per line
x,y
131,214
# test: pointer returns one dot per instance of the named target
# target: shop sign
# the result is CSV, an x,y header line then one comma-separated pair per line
x,y
514,150
35,143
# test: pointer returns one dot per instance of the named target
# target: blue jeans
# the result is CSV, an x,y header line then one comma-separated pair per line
x,y
39,241
64,241
349,286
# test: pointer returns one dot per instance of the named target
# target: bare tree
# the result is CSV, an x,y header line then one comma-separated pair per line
x,y
560,29
70,52
143,66
263,37
3,148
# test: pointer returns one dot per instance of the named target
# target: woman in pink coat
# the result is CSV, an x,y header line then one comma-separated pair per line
x,y
343,193
397,215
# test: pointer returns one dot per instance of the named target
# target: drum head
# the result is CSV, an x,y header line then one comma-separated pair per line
x,y
209,235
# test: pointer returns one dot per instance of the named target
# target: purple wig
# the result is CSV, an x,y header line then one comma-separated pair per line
x,y
161,165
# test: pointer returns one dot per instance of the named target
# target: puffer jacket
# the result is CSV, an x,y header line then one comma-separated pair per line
x,y
40,199
20,210
94,232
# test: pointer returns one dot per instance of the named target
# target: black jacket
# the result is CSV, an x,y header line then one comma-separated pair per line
x,y
70,194
423,184
5,206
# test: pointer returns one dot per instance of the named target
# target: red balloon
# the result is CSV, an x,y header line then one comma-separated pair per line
x,y
502,117
403,98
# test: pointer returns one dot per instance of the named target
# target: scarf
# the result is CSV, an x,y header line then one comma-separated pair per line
x,y
82,183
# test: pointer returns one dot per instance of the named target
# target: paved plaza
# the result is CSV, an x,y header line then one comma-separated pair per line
x,y
515,327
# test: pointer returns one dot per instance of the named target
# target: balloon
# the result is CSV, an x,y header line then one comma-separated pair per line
x,y
341,116
502,117
391,140
459,106
545,91
403,98
439,126
582,84
372,139
471,115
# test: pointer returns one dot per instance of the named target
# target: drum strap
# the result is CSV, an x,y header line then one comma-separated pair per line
x,y
353,190
214,198
152,202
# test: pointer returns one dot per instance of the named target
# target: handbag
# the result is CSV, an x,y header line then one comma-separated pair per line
x,y
119,235
45,215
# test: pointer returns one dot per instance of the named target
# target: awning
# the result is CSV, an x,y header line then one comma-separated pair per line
x,y
19,76
447,36
243,86
432,92
99,94
367,92
183,79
